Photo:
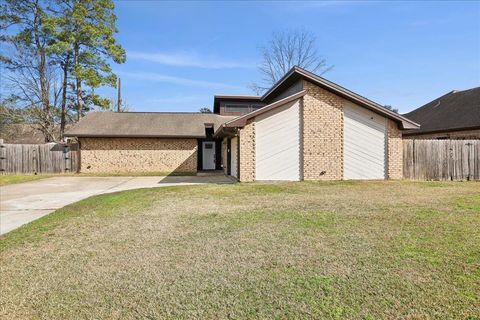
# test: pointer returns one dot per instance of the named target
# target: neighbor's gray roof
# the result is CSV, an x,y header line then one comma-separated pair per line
x,y
146,124
454,111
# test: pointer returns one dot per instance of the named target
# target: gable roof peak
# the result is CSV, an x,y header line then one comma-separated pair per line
x,y
297,73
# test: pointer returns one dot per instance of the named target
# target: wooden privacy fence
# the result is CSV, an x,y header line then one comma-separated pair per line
x,y
441,159
39,158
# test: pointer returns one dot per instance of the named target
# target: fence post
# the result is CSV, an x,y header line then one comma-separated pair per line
x,y
3,157
35,161
66,151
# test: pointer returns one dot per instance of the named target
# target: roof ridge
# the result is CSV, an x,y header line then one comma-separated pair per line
x,y
458,91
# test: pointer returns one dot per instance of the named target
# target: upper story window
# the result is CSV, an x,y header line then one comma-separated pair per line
x,y
236,108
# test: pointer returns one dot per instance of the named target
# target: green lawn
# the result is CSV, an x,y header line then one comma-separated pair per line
x,y
342,250
18,178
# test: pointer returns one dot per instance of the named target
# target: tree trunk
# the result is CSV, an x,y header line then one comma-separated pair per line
x,y
44,89
65,66
78,84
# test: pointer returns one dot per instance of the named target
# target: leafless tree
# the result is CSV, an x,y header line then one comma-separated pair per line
x,y
285,50
26,70
35,91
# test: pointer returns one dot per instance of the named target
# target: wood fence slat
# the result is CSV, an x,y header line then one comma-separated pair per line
x,y
39,158
441,159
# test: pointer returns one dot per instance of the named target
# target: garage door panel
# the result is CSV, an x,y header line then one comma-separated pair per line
x,y
372,149
270,150
364,155
364,143
277,144
364,130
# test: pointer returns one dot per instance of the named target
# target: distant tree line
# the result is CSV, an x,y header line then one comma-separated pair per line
x,y
54,54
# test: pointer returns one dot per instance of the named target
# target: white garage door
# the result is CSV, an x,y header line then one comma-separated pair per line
x,y
277,143
234,157
364,143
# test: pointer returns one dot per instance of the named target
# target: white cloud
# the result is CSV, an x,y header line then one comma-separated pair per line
x,y
187,59
151,76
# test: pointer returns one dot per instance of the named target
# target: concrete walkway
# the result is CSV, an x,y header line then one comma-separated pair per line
x,y
24,202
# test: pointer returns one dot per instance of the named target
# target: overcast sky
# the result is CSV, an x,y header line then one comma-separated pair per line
x,y
179,54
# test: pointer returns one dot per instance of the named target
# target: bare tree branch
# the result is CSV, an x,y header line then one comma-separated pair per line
x,y
285,50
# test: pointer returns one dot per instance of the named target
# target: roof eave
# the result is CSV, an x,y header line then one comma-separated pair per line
x,y
242,120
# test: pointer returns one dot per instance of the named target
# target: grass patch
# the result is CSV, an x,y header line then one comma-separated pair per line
x,y
19,178
471,203
333,250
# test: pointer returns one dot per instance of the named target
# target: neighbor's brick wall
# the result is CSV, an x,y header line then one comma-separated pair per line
x,y
463,134
247,152
322,134
394,151
124,155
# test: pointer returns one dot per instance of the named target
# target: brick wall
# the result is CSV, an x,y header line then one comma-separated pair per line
x,y
124,155
462,134
322,134
247,152
394,151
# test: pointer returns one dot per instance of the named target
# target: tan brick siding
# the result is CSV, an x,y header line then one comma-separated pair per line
x,y
225,155
463,134
130,155
247,152
394,151
322,134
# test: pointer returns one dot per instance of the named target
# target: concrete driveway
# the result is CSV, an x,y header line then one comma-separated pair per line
x,y
24,202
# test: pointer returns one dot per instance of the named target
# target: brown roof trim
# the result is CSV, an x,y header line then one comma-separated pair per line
x,y
415,133
219,96
343,92
242,121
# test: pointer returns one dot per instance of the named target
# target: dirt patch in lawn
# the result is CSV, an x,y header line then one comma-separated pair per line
x,y
305,250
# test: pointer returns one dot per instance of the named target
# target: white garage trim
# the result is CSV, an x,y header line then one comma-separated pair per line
x,y
277,143
234,157
364,146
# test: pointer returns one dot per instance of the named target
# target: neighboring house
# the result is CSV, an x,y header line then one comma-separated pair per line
x,y
455,115
303,128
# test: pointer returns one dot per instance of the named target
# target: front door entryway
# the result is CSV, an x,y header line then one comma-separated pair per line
x,y
208,155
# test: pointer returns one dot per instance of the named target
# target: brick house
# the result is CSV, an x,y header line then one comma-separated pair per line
x,y
303,128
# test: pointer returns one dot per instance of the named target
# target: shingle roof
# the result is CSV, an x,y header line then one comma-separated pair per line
x,y
146,124
455,110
